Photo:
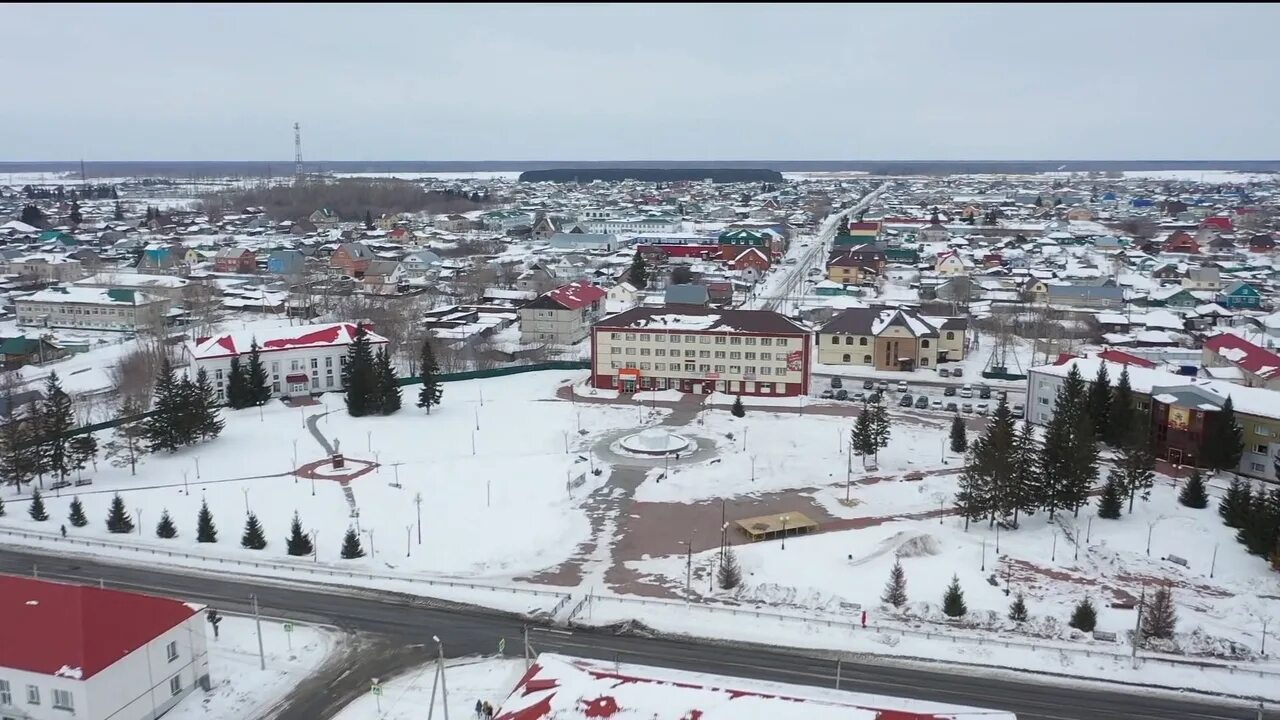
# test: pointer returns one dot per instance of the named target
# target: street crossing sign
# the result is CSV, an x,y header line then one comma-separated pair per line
x,y
288,627
502,645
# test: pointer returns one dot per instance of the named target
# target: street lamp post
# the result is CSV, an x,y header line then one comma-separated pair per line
x,y
373,554
295,461
444,687
139,511
186,490
369,438
408,540
315,545
417,500
245,490
197,467
983,566
784,519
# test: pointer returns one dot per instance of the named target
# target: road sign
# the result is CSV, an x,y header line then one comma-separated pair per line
x,y
377,690
502,645
375,686
288,627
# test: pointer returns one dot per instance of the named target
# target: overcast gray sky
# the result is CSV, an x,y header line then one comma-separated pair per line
x,y
595,82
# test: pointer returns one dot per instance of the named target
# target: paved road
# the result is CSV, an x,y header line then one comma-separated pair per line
x,y
464,630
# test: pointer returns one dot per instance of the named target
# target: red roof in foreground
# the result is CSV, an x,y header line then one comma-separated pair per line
x,y
239,343
1244,354
566,688
48,626
576,295
1124,358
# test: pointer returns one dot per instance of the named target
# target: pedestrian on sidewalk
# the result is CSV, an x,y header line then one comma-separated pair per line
x,y
64,531
479,709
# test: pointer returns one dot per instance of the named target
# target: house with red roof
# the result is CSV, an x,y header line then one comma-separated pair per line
x,y
1258,366
562,316
299,360
89,653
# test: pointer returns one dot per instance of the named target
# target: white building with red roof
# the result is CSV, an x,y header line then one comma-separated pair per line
x,y
562,316
1258,366
567,688
299,360
77,651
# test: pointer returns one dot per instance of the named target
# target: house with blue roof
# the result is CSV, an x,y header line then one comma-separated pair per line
x,y
1240,295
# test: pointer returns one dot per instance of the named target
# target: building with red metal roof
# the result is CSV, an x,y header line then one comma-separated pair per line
x,y
299,360
87,652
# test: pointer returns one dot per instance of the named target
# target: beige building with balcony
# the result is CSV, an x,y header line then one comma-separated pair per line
x,y
890,339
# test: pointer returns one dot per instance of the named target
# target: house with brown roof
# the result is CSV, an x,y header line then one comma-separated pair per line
x,y
351,259
235,260
890,339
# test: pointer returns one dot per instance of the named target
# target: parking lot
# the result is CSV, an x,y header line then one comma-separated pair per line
x,y
974,399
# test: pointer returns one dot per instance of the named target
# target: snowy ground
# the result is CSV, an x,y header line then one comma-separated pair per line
x,y
240,688
409,697
527,470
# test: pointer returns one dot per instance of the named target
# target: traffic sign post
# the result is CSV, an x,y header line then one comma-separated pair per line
x,y
502,645
376,688
288,634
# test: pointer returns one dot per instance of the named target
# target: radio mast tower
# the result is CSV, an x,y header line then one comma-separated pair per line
x,y
297,153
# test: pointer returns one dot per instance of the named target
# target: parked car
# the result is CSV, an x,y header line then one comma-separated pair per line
x,y
905,401
790,261
1001,395
951,407
982,408
902,386
882,386
837,383
827,394
868,384
842,394
922,403
1018,410
874,398
966,391
957,372
966,408
935,404
859,396
949,391
944,372
984,392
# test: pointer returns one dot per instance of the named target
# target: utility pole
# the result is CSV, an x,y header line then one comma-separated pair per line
x,y
417,500
257,620
1137,627
297,153
444,686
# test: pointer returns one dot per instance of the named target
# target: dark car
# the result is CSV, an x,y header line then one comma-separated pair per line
x,y
868,384
951,407
905,401
836,383
842,394
984,393
874,398
949,391
922,402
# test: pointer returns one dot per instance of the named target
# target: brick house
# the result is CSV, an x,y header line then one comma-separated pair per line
x,y
235,260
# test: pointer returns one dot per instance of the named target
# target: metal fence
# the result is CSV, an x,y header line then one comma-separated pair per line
x,y
309,567
982,640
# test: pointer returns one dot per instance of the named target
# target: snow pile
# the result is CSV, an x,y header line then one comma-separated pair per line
x,y
67,671
918,546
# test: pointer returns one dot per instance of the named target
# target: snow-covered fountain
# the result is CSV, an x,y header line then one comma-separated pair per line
x,y
656,442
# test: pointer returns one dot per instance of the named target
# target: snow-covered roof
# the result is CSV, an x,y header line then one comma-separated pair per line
x,y
289,338
90,296
567,688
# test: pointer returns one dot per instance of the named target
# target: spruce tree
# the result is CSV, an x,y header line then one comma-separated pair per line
x,y
191,413
165,528
953,600
997,457
19,449
1136,466
1260,529
429,395
56,421
1224,441
128,439
237,386
163,430
1159,616
862,437
1193,494
206,531
351,548
359,378
895,590
36,510
729,574
118,519
738,410
973,493
83,450
368,220
298,543
1018,609
1026,484
958,441
1,507
1098,403
257,384
1234,506
118,215
1083,465
881,428
77,517
639,273
205,406
388,384
1085,616
75,216
1112,500
1123,414
253,537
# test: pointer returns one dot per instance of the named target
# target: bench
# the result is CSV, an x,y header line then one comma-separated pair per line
x,y
1104,636
1178,561
84,481
58,485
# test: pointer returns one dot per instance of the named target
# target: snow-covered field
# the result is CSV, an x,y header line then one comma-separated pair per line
x,y
409,696
526,472
242,690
